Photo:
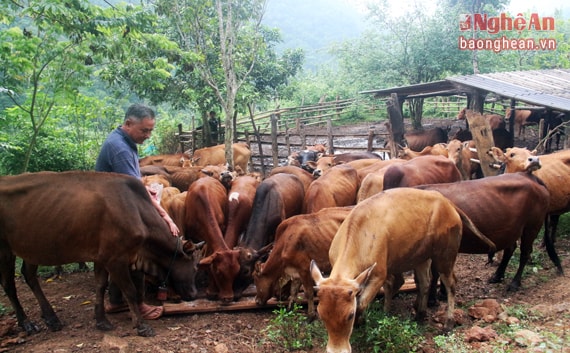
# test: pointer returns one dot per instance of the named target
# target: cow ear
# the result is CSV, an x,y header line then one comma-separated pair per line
x,y
264,251
207,172
363,278
190,247
497,154
316,274
207,261
257,268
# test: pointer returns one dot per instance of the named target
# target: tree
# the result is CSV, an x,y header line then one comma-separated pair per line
x,y
42,60
226,36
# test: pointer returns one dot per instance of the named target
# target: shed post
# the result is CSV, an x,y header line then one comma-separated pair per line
x,y
330,136
394,107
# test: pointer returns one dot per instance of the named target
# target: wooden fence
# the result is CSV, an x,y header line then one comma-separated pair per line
x,y
273,135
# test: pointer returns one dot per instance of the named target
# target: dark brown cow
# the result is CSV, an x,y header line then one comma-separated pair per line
x,y
519,204
299,239
555,173
277,198
336,188
182,178
109,219
206,207
390,233
240,205
215,155
418,140
177,159
421,170
501,137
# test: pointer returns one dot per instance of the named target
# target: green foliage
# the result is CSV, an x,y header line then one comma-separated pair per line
x,y
384,333
290,329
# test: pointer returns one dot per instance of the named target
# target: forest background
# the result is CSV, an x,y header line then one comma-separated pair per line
x,y
69,68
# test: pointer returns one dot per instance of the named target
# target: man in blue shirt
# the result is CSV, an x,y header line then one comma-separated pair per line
x,y
119,154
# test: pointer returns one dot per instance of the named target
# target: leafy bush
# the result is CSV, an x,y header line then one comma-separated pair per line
x,y
291,330
384,333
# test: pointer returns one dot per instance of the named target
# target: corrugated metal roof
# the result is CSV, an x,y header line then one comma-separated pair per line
x,y
548,88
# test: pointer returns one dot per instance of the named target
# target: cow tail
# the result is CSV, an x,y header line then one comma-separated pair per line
x,y
467,222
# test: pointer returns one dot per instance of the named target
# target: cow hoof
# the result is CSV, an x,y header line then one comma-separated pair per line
x,y
54,324
513,287
495,279
449,325
104,325
30,327
145,331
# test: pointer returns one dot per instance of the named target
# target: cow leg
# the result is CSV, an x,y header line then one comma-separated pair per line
x,y
131,284
422,278
30,275
449,281
500,273
294,285
7,268
391,287
101,280
432,296
307,283
550,228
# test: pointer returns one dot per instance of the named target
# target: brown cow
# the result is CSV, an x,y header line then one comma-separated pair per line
x,y
324,163
176,209
523,118
373,183
418,140
439,149
303,175
495,121
299,239
109,219
177,159
336,188
421,170
240,205
501,137
206,206
277,198
460,153
555,173
520,204
215,155
390,233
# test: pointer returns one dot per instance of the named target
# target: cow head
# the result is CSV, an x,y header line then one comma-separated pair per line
x,y
262,283
516,159
247,259
183,270
223,266
338,306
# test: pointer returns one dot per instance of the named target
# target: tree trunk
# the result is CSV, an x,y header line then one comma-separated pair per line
x,y
416,112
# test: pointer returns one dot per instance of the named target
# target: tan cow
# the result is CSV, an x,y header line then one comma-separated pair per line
x,y
390,233
460,153
215,155
337,187
298,240
555,173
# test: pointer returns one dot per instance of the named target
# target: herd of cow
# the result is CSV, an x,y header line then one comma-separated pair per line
x,y
359,219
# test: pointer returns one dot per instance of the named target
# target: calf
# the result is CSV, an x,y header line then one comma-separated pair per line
x,y
390,233
109,219
176,159
299,239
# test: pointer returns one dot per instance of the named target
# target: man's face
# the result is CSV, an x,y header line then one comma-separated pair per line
x,y
139,131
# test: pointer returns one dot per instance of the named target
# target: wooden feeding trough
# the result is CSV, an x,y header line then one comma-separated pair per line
x,y
247,302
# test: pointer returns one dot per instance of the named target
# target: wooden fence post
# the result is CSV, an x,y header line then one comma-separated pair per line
x,y
274,143
370,139
330,136
180,138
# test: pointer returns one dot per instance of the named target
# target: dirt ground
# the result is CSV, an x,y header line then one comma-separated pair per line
x,y
544,296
